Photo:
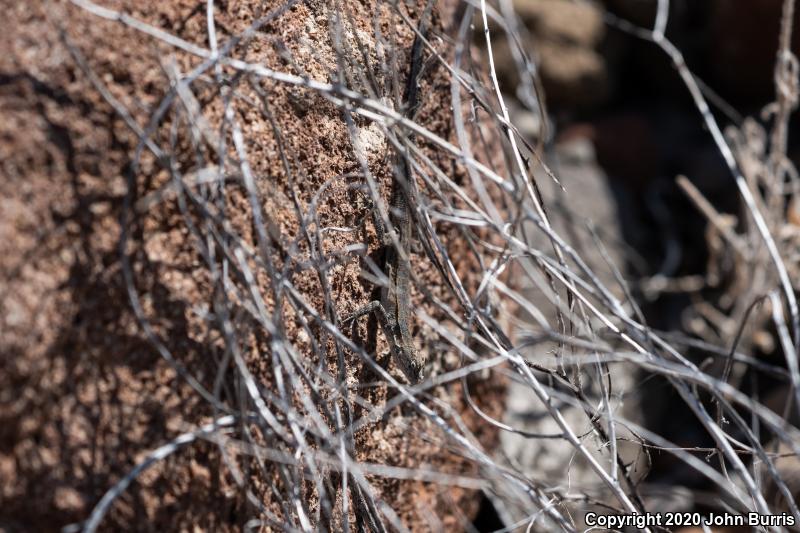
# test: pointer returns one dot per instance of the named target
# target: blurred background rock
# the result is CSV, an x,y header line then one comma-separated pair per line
x,y
619,104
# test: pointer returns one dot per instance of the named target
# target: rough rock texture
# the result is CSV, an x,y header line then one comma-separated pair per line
x,y
89,224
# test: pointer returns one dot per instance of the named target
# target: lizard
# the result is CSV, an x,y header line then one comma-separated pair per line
x,y
393,310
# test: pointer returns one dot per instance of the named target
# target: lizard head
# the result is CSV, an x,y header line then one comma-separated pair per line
x,y
413,368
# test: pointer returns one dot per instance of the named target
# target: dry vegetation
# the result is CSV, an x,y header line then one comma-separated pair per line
x,y
192,196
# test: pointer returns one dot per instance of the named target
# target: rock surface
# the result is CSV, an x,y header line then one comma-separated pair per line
x,y
89,222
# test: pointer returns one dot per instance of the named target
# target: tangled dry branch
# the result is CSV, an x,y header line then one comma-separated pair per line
x,y
297,385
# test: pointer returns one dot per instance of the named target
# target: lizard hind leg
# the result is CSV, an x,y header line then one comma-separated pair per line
x,y
406,361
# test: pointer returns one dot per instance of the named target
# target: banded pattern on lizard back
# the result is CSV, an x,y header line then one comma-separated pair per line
x,y
394,307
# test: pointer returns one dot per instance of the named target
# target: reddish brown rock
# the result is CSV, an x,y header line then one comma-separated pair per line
x,y
83,393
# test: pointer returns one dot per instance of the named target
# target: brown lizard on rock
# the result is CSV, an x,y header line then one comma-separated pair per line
x,y
394,307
